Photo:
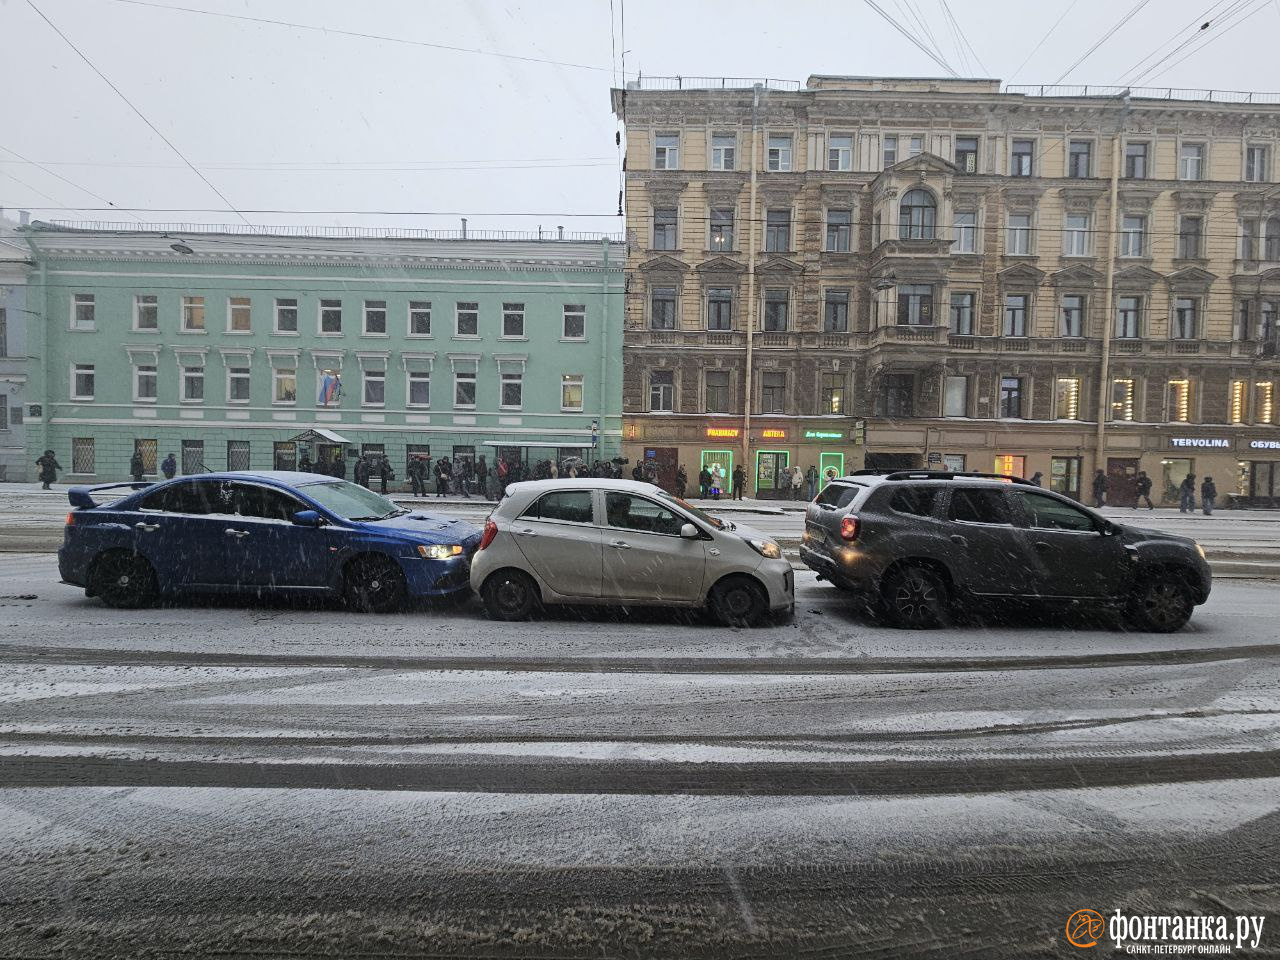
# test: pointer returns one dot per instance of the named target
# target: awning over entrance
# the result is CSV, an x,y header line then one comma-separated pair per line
x,y
319,435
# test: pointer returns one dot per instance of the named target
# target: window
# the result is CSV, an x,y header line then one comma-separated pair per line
x,y
628,512
720,308
664,229
773,392
1066,398
839,230
83,312
193,314
839,495
237,454
832,400
1128,314
144,382
1072,316
955,397
193,384
1191,161
419,318
375,318
666,151
889,152
1023,159
571,391
1184,319
1122,398
724,148
286,315
965,232
237,384
82,455
775,311
662,308
967,154
239,315
1018,242
512,390
1255,163
1236,406
1015,315
1243,325
1011,398
962,314
1271,242
840,153
1263,402
193,456
466,319
464,388
513,320
375,388
4,333
1075,239
779,153
777,231
915,145
1178,401
1249,239
835,312
1135,161
1044,512
82,381
718,399
566,506
419,388
916,501
897,398
146,312
284,455
330,316
284,385
917,214
722,229
1133,236
575,321
1079,154
915,305
662,391
1189,231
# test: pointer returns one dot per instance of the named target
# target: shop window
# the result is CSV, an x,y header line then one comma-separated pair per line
x,y
1122,399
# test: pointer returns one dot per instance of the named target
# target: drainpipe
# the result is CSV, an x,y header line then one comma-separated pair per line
x,y
37,365
749,376
1109,316
604,344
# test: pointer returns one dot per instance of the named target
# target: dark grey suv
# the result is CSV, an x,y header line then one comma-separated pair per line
x,y
919,545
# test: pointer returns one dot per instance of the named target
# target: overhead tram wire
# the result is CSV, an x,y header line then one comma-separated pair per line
x,y
154,129
1103,39
58,176
966,63
964,36
913,12
1199,23
1206,27
1047,35
1213,39
906,33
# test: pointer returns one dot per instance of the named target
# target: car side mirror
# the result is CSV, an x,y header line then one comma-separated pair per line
x,y
689,532
308,518
1108,528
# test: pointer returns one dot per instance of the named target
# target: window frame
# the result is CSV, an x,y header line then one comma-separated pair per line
x,y
78,370
370,378
835,298
918,221
964,236
721,229
1133,243
1073,155
664,390
138,305
511,378
140,370
284,304
278,376
1258,167
783,144
415,310
569,381
724,157
719,306
833,394
244,305
514,312
1026,233
658,295
368,308
668,151
947,381
1068,314
89,322
579,310
707,388
838,236
1012,392
1014,317
1137,166
1075,239
665,234
1200,160
773,395
952,315
235,374
1178,318
1016,169
841,155
189,307
417,377
1135,313
773,306
189,375
777,229
470,308
326,307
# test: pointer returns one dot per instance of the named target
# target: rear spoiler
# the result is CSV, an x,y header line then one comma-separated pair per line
x,y
82,497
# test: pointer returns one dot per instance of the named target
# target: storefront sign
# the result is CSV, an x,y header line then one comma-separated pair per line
x,y
727,433
823,435
935,458
774,434
1264,444
1207,442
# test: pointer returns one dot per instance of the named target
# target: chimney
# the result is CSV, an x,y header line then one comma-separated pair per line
x,y
464,228
24,217
559,233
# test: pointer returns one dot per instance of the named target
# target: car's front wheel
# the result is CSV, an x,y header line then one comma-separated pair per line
x,y
915,598
1161,604
738,602
374,584
124,580
510,595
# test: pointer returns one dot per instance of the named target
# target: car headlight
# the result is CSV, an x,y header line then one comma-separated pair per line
x,y
1200,550
766,548
439,551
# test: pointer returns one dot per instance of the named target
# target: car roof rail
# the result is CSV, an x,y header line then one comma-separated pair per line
x,y
957,475
870,472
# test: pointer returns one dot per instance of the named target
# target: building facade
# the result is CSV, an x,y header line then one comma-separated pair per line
x,y
936,273
15,265
236,351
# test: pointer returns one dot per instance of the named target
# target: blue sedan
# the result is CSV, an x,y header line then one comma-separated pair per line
x,y
260,532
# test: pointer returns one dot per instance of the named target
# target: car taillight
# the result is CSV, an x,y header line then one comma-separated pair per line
x,y
490,531
849,528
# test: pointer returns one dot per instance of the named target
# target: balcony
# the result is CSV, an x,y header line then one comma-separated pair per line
x,y
686,338
776,339
907,333
1126,347
1186,348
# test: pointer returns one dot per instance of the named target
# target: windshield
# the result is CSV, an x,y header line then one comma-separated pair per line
x,y
351,501
704,517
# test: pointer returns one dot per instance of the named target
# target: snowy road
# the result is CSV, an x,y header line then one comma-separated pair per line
x,y
276,780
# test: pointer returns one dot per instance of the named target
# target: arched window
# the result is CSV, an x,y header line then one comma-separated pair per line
x,y
1271,240
917,215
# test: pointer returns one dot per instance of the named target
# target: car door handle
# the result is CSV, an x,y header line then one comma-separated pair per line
x,y
620,544
527,532
714,552
238,534
146,527
957,539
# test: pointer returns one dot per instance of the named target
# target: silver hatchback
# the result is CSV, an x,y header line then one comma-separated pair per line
x,y
621,542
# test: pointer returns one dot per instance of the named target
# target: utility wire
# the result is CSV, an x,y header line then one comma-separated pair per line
x,y
1199,23
964,36
906,33
1047,35
1209,40
105,79
1103,39
56,176
286,165
912,13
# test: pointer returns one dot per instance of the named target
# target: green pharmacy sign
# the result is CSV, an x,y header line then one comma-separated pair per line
x,y
823,435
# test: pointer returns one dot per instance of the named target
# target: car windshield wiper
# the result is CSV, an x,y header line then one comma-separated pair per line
x,y
398,512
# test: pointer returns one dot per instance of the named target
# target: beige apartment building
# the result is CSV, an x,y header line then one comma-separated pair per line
x,y
938,273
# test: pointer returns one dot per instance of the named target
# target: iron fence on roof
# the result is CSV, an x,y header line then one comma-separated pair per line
x,y
1144,93
317,232
712,83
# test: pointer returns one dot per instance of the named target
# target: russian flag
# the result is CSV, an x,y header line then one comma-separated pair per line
x,y
330,389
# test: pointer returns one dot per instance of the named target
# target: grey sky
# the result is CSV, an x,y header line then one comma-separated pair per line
x,y
290,119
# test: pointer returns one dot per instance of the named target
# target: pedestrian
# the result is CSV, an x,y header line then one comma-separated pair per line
x,y
169,467
482,479
339,466
1208,496
1100,485
1187,494
717,480
1036,478
555,470
304,465
811,477
739,481
636,473
385,473
136,467
704,482
361,471
468,477
414,469
504,472
1143,488
682,481
49,467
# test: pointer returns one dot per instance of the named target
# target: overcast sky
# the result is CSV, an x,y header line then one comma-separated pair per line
x,y
285,118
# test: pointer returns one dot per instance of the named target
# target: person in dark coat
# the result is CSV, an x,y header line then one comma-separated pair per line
x,y
1187,494
811,478
362,471
1208,496
443,474
417,477
49,467
339,467
1100,484
482,479
385,473
135,467
704,482
1036,478
1143,488
739,481
304,464
682,481
169,467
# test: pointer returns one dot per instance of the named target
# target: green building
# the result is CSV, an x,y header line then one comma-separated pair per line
x,y
247,350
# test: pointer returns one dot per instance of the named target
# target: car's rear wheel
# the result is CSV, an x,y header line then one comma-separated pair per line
x,y
1161,604
124,580
738,602
916,598
510,595
374,584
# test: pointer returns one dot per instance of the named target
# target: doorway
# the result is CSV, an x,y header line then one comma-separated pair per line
x,y
1064,476
710,459
830,466
665,460
1122,481
770,475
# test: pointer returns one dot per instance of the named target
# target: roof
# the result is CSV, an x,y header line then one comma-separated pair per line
x,y
293,478
319,433
570,483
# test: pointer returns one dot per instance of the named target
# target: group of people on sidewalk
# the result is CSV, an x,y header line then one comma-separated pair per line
x,y
1142,489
